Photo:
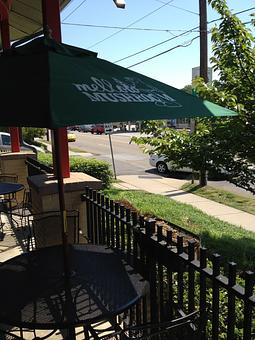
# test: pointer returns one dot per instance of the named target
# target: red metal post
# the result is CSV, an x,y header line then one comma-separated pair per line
x,y
51,23
5,36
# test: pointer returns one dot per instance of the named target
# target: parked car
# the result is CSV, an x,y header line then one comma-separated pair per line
x,y
98,129
163,166
71,137
73,127
5,144
85,128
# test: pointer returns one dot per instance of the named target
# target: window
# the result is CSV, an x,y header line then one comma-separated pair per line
x,y
6,140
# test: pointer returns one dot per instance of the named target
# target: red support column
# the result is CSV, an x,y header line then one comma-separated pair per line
x,y
51,23
5,36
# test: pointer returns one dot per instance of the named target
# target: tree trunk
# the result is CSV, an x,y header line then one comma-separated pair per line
x,y
202,178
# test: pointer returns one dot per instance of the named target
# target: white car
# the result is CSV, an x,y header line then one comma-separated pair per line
x,y
5,144
163,166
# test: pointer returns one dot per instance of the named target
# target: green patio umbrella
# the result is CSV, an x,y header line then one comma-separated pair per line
x,y
52,85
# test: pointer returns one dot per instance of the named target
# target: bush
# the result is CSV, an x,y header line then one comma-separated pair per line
x,y
93,167
29,134
45,158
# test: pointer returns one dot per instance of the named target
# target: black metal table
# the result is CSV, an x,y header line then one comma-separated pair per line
x,y
9,190
35,294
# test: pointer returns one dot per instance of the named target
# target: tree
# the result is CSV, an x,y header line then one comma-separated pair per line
x,y
29,134
225,143
184,149
234,59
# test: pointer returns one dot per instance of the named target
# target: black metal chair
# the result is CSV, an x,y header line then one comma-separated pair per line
x,y
12,334
44,229
25,207
8,332
8,199
182,328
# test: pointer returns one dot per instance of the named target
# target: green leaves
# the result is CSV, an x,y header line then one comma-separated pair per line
x,y
227,143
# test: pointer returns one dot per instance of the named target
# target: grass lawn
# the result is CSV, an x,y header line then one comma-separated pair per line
x,y
233,243
221,196
71,148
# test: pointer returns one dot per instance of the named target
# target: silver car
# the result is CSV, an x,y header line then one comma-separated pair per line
x,y
163,166
5,144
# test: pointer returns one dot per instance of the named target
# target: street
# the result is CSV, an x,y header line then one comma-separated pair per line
x,y
129,158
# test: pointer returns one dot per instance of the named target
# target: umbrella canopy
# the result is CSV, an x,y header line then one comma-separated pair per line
x,y
52,85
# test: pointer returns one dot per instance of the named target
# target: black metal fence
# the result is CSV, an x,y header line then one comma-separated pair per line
x,y
182,279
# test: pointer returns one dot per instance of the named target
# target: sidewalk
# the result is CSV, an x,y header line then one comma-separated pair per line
x,y
71,153
170,187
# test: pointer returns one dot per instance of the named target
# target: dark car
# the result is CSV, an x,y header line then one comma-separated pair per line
x,y
85,127
98,129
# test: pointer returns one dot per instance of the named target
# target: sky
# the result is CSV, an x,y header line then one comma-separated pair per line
x,y
140,26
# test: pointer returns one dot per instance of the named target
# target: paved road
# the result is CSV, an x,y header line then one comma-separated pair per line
x,y
129,158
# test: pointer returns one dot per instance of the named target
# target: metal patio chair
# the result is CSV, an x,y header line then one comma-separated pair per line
x,y
8,178
44,229
182,328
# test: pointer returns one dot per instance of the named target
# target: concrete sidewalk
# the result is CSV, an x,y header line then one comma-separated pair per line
x,y
170,187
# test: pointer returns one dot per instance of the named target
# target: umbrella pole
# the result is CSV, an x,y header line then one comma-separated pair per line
x,y
61,198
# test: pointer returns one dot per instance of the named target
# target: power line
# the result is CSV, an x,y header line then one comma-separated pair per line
x,y
123,28
75,9
136,21
245,10
187,44
166,51
158,44
182,9
194,29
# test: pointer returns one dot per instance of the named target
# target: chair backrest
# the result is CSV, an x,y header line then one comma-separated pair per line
x,y
10,178
185,327
45,228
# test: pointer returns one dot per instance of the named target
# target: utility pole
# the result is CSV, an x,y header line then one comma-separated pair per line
x,y
203,65
203,40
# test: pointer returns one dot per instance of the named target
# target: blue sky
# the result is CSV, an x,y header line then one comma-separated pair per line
x,y
153,18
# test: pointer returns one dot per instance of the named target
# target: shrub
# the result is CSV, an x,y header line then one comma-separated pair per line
x,y
45,158
29,134
93,167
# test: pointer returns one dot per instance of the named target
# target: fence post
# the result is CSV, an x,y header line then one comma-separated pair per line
x,y
215,297
231,301
107,220
112,223
103,218
202,298
122,227
117,224
180,272
248,292
191,280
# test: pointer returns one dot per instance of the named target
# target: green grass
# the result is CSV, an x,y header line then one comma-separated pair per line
x,y
233,243
222,196
71,148
75,149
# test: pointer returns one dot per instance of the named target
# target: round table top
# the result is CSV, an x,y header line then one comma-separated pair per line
x,y
35,294
10,188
